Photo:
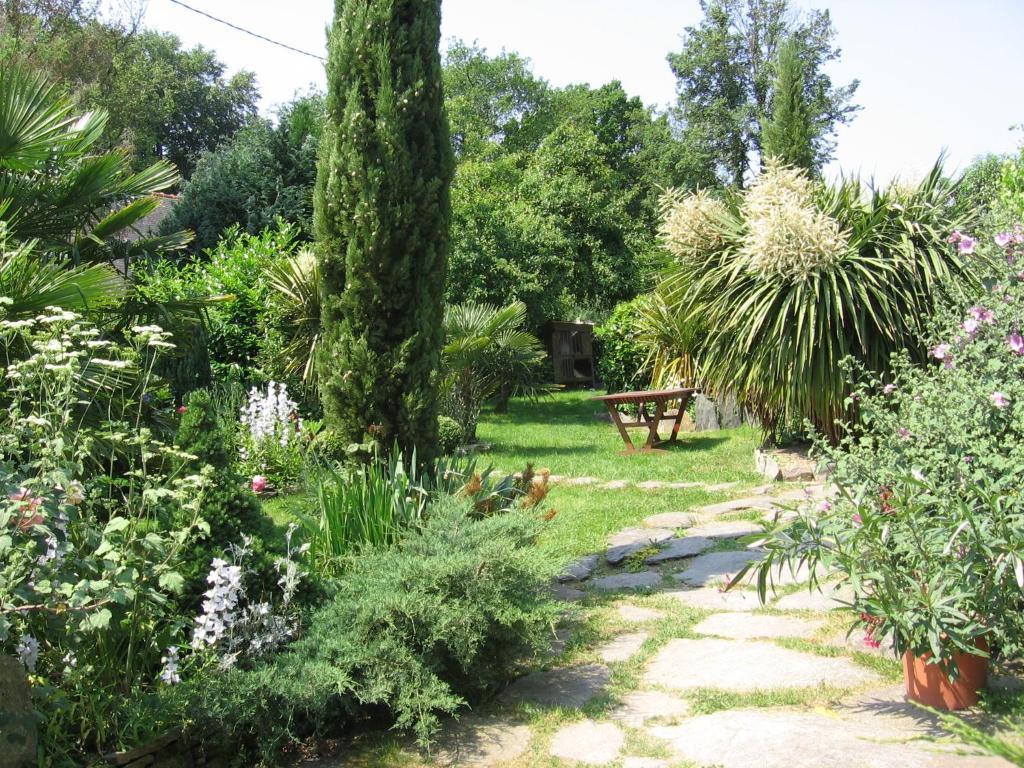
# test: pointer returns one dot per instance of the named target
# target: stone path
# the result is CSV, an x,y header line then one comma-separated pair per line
x,y
672,646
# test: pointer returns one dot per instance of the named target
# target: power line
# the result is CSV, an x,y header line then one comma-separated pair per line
x,y
248,32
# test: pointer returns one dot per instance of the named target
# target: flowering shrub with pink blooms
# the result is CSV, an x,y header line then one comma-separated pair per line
x,y
928,523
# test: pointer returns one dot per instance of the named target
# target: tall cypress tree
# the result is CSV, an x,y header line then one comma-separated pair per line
x,y
790,131
381,214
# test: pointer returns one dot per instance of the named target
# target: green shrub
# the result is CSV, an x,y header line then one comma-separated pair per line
x,y
415,632
230,509
449,434
622,357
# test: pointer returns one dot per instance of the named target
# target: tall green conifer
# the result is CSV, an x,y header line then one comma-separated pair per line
x,y
790,131
382,209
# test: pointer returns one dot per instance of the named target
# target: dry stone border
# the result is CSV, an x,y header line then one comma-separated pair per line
x,y
629,540
638,580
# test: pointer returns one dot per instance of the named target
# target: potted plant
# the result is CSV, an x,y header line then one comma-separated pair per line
x,y
926,525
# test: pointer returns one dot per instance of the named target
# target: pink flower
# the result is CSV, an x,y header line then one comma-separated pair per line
x,y
903,433
1016,343
1003,239
259,484
999,400
971,326
940,352
967,244
857,519
888,389
870,641
956,237
182,409
825,505
983,315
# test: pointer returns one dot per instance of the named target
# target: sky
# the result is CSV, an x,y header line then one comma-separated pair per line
x,y
936,75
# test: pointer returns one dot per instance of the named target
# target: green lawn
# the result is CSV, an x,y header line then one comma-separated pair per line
x,y
563,434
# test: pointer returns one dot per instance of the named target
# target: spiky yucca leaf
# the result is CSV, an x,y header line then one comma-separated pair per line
x,y
777,336
295,282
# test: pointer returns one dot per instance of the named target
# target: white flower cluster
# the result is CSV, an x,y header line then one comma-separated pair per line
x,y
222,598
170,673
272,416
28,652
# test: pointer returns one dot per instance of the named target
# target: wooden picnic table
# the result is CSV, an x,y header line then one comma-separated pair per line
x,y
658,400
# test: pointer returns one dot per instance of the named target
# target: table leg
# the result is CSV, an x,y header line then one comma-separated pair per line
x,y
617,419
652,436
683,402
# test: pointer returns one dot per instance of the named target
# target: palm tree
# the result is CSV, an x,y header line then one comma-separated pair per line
x,y
487,353
56,189
296,297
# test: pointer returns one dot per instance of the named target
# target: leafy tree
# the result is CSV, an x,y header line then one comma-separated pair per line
x,y
789,132
726,82
164,102
494,101
382,210
263,173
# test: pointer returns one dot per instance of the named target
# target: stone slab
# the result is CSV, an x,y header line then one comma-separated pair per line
x,y
825,599
644,762
715,567
684,485
745,666
677,549
569,687
746,626
622,648
772,738
639,580
566,593
717,487
588,742
581,570
670,520
726,529
735,505
638,707
622,544
637,614
714,599
651,485
478,742
582,481
615,485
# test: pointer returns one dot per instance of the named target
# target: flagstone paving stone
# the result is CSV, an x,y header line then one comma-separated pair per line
x,y
581,570
671,520
744,666
481,742
566,593
622,648
615,485
773,738
735,505
714,599
637,614
629,540
715,566
588,742
746,626
570,687
824,599
677,549
638,580
644,762
726,529
638,707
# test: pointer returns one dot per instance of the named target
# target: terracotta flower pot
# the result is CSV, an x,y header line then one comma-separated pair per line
x,y
928,684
